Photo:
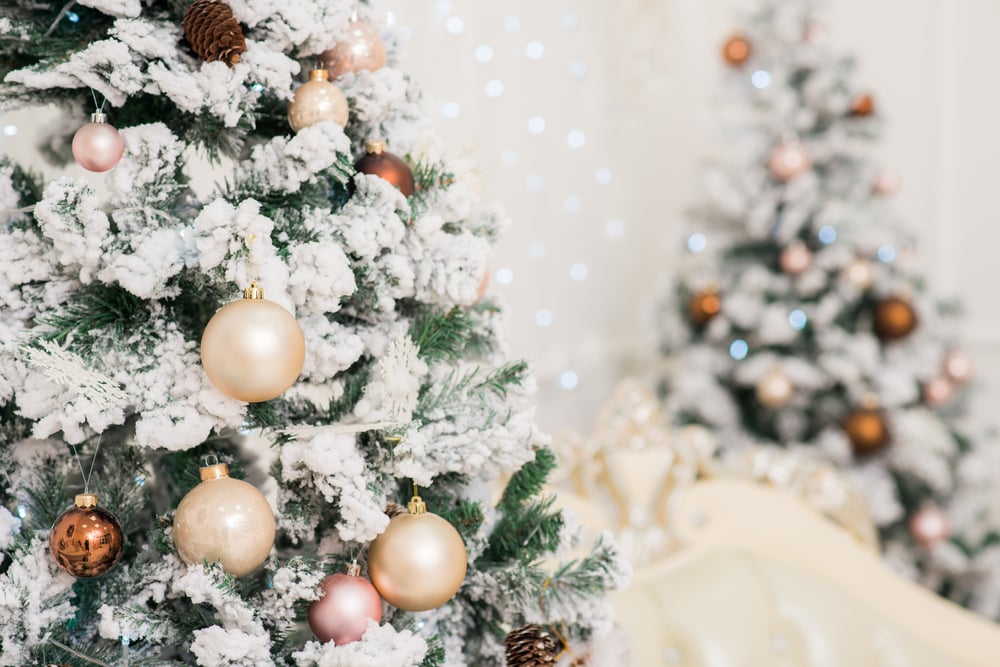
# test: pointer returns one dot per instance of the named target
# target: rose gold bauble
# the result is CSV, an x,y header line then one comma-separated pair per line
x,y
863,105
867,430
361,49
789,161
703,306
86,540
419,561
860,273
736,50
317,100
349,601
894,318
253,349
224,520
97,146
484,285
938,392
795,258
886,184
958,367
930,526
380,162
775,389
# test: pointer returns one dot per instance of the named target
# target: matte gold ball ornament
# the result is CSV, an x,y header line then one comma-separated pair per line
x,y
224,520
775,389
736,51
362,49
703,306
253,349
377,161
867,430
789,160
87,540
317,100
795,258
894,317
419,561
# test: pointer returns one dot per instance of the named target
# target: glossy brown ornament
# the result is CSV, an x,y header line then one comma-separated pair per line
x,y
349,601
703,306
796,258
863,105
86,540
930,526
317,100
736,50
361,49
894,318
377,161
867,430
419,561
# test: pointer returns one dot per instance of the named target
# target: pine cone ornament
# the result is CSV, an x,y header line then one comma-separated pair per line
x,y
213,32
531,646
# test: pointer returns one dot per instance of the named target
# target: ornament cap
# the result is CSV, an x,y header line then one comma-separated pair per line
x,y
216,471
254,291
319,74
417,505
375,146
85,500
98,117
352,570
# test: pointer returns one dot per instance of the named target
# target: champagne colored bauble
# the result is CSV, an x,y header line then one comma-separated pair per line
x,y
703,306
224,520
418,562
253,349
789,161
317,100
867,430
894,318
361,49
958,367
736,50
795,258
860,273
97,146
863,105
938,392
886,184
380,162
775,389
87,540
349,601
930,526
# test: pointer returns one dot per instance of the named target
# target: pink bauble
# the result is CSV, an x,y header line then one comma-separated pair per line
x,y
795,258
348,603
930,526
958,367
97,146
361,49
886,184
789,160
938,392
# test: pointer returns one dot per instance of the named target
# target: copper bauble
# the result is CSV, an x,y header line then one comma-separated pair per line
x,y
775,389
860,273
789,160
736,50
361,49
97,146
938,392
317,100
703,306
349,601
253,349
380,162
867,430
863,105
419,561
224,520
894,318
795,258
87,540
958,367
930,526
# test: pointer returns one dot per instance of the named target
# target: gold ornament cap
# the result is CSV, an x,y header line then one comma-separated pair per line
x,y
215,471
375,146
352,570
85,501
254,291
319,74
416,505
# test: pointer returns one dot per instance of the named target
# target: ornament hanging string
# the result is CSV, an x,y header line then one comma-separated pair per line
x,y
561,634
88,475
99,107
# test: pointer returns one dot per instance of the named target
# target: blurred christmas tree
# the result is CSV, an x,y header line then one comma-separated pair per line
x,y
364,356
798,316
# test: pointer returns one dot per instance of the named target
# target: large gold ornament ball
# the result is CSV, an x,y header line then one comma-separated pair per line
x,y
418,563
867,430
789,160
361,49
317,100
775,389
703,306
736,50
224,520
87,540
253,350
894,318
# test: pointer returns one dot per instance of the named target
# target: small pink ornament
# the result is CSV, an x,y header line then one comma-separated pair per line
x,y
789,161
361,49
930,526
795,258
886,184
97,146
958,367
938,392
348,603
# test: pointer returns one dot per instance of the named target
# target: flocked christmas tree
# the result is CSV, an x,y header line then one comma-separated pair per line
x,y
798,316
323,305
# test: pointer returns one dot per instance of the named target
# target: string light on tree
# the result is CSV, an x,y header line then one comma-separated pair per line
x,y
316,101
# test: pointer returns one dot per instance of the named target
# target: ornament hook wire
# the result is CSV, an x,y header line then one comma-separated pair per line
x,y
88,475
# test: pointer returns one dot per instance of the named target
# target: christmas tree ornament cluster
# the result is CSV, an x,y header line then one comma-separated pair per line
x,y
253,349
213,32
867,430
419,560
362,49
226,521
377,161
736,51
349,601
893,318
703,306
97,146
316,101
789,160
531,645
86,540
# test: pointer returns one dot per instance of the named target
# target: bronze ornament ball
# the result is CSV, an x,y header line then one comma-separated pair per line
x,y
893,318
736,50
87,540
377,161
361,49
703,306
867,430
863,105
